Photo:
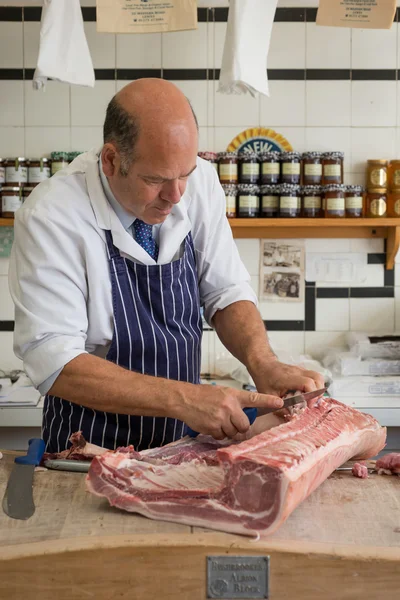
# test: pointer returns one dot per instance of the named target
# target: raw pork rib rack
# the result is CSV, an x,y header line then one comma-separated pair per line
x,y
248,487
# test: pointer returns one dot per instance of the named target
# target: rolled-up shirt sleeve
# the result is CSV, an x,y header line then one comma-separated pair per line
x,y
223,278
48,285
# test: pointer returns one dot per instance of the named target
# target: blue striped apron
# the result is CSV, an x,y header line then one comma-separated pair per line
x,y
157,331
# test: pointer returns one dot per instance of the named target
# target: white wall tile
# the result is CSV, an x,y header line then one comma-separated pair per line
x,y
205,353
6,303
327,245
332,314
287,342
330,138
85,138
335,107
139,50
12,141
48,107
372,314
224,135
4,265
374,277
397,275
372,246
88,105
185,49
285,105
355,179
374,104
235,110
8,360
196,92
205,139
255,283
287,48
249,251
318,343
12,103
219,33
40,141
211,350
295,136
101,46
282,311
397,308
31,44
362,147
11,45
374,48
327,47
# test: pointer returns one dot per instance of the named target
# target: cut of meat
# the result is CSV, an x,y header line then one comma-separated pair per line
x,y
389,464
80,450
360,470
248,487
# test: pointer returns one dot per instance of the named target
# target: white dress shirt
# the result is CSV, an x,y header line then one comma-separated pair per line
x,y
59,275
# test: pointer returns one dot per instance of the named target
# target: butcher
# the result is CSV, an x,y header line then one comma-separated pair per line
x,y
113,259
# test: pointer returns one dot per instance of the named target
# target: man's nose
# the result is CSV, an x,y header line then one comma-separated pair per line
x,y
171,191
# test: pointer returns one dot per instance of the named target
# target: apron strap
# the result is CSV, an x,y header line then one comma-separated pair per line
x,y
112,250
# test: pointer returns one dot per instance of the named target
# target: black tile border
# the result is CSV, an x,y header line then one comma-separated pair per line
x,y
34,13
290,15
377,258
286,74
220,14
374,74
105,74
131,74
388,278
327,74
186,74
284,325
309,300
12,74
372,292
6,325
333,292
89,13
10,13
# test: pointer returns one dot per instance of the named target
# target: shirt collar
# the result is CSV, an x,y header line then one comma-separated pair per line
x,y
126,218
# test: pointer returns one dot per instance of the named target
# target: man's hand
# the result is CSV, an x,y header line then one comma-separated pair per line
x,y
218,410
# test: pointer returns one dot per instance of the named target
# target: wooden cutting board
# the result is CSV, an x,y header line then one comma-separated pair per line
x,y
343,543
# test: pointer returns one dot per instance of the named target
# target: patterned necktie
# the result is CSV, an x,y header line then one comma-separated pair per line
x,y
143,236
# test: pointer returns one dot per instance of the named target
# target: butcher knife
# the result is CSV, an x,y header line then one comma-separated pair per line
x,y
62,464
18,499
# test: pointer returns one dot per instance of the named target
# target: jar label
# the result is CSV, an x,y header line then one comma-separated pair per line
x,y
335,204
250,169
289,202
215,165
2,174
228,172
11,203
290,168
270,168
57,166
313,169
36,175
378,207
14,175
231,204
378,177
312,201
270,202
249,201
396,207
396,178
332,170
354,202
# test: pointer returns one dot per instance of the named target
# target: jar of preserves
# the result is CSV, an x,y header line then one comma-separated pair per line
x,y
335,200
312,168
394,175
38,170
72,155
332,167
228,167
11,200
376,203
270,201
393,204
289,200
26,191
290,167
248,204
2,171
59,160
230,197
249,167
270,168
354,201
312,201
377,174
16,171
212,157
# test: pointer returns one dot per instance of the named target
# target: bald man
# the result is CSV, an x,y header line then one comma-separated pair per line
x,y
113,258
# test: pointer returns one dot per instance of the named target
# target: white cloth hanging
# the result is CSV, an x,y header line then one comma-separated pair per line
x,y
63,53
244,62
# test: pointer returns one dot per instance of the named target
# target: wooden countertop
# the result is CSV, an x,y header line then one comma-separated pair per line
x,y
342,542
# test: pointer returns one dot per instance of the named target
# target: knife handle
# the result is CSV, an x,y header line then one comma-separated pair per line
x,y
35,453
251,414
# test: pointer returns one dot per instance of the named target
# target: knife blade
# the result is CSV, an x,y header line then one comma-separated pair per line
x,y
18,499
62,464
297,399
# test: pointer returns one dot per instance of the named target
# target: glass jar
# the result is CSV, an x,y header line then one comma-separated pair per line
x,y
332,167
394,175
2,171
230,197
312,201
270,201
289,200
354,201
228,167
248,200
212,157
290,167
377,174
72,155
376,203
16,171
249,167
38,170
26,191
59,160
335,201
312,168
270,168
393,204
11,200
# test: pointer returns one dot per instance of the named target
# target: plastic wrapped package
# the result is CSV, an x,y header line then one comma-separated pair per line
x,y
347,364
373,346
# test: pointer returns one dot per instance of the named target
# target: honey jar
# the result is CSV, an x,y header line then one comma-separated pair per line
x,y
394,175
332,168
334,201
376,203
393,204
377,174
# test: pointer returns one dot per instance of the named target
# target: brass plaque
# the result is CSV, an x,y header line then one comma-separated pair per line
x,y
237,577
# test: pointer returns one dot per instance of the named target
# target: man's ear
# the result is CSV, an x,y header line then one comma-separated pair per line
x,y
110,159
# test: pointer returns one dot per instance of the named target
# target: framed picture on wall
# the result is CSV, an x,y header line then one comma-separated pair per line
x,y
282,270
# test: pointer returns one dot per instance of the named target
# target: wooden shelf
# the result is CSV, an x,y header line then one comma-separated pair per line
x,y
6,222
322,228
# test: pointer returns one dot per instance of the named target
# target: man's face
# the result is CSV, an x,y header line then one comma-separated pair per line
x,y
157,178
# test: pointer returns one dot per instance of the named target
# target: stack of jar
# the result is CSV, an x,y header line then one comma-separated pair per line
x,y
383,185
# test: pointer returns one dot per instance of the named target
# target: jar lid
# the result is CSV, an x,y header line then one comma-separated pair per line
x,y
270,189
248,155
311,155
334,187
230,189
208,155
9,188
396,161
377,161
377,190
73,155
312,189
59,155
333,155
356,189
227,155
43,159
27,189
290,156
274,156
249,189
18,158
289,187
